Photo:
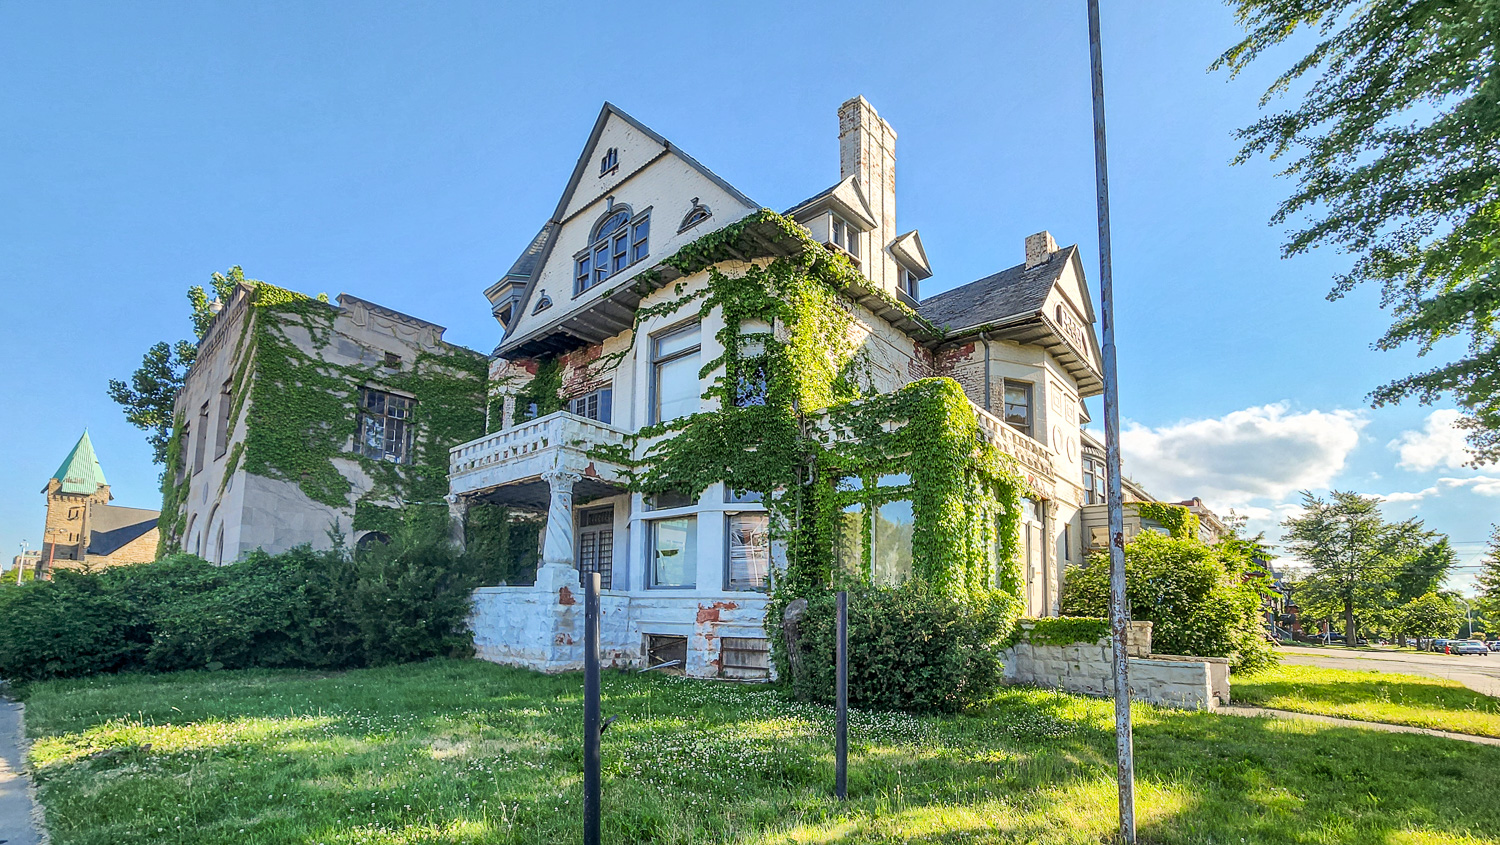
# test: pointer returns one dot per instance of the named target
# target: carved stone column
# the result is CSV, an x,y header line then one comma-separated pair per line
x,y
557,544
458,510
1051,563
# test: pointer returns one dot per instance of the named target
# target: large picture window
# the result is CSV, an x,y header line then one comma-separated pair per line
x,y
385,426
749,557
891,533
674,373
674,552
617,242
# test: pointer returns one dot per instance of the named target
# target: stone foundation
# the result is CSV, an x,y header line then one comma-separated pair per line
x,y
1190,683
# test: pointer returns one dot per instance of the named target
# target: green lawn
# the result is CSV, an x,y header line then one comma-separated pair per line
x,y
463,751
1372,697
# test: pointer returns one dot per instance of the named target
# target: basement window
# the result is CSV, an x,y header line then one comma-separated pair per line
x,y
667,653
744,658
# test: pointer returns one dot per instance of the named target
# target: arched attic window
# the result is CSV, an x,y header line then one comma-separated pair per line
x,y
697,214
618,240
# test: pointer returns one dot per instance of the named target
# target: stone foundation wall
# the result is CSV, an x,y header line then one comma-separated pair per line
x,y
1191,683
541,627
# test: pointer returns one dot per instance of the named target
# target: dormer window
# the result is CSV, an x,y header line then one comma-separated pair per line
x,y
618,241
609,162
909,283
845,236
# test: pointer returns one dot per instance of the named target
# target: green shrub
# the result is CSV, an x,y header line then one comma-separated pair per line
x,y
1059,630
910,648
1193,594
301,608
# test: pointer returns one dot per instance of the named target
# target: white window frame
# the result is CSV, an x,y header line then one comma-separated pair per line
x,y
657,361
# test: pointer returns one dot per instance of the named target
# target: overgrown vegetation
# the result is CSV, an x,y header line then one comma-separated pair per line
x,y
407,600
1059,630
468,752
911,648
1195,596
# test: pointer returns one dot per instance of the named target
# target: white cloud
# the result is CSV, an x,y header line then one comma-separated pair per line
x,y
1484,485
1265,452
1440,443
1408,497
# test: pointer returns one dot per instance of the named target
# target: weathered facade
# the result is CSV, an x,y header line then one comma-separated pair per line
x,y
301,417
638,318
83,530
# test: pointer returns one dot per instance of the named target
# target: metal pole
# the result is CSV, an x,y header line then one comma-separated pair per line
x,y
591,708
1119,612
841,704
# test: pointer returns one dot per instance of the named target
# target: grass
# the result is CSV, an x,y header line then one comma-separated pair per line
x,y
1372,697
467,752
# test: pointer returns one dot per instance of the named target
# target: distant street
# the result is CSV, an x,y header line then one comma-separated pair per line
x,y
1479,673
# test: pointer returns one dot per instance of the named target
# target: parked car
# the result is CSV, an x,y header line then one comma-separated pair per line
x,y
1494,645
1470,647
1440,644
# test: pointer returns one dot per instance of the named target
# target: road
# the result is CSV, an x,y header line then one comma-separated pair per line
x,y
1479,673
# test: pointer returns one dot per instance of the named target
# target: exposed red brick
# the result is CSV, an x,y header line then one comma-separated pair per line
x,y
711,614
565,597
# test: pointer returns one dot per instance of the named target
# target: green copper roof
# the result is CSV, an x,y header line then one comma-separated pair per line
x,y
80,471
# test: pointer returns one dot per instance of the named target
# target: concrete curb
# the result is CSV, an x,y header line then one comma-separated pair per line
x,y
23,822
1266,712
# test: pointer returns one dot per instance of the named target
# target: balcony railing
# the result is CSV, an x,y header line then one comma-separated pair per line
x,y
560,430
1030,453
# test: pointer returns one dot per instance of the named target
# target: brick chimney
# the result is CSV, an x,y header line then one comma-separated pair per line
x,y
867,149
1039,248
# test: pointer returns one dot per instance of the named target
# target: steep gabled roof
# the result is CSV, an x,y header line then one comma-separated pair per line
x,y
80,471
112,527
536,254
1014,292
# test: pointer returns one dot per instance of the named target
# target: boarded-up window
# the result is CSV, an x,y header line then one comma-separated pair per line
x,y
744,658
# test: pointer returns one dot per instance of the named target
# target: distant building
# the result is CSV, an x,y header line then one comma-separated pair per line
x,y
25,560
83,530
300,417
1211,528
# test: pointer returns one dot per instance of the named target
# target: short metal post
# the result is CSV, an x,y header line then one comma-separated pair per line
x,y
841,705
591,708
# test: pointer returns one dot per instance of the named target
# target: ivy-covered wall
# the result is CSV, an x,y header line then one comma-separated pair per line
x,y
295,387
794,416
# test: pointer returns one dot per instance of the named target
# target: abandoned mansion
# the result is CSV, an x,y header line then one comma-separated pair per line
x,y
711,404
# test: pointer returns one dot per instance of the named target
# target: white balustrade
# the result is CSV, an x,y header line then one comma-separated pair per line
x,y
558,430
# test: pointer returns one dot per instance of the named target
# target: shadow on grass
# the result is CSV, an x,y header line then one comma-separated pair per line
x,y
462,751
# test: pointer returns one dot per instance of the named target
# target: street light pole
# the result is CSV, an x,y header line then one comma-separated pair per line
x,y
1119,613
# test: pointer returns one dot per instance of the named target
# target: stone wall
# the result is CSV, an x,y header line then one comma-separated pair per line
x,y
541,627
1191,683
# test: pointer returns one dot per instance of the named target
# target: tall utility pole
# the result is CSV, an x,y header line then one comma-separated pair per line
x,y
1119,609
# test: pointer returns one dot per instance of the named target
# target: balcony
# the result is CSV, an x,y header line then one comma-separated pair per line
x,y
511,467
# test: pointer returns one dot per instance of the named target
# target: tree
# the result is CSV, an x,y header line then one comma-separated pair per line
x,y
149,396
1196,597
1488,582
1354,554
1429,616
1395,142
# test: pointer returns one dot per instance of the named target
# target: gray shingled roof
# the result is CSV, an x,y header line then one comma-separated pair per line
x,y
994,299
527,262
111,527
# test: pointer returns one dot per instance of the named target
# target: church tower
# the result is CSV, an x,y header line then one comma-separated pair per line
x,y
77,484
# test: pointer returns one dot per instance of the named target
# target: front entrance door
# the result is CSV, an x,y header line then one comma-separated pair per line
x,y
596,543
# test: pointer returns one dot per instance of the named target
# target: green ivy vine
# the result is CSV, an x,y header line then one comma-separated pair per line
x,y
1180,522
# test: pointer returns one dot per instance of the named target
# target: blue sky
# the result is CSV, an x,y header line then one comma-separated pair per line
x,y
405,153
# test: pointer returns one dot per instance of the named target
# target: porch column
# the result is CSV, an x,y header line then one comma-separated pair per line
x,y
557,543
1051,562
458,509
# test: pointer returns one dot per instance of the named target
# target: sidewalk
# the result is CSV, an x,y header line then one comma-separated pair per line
x,y
1243,710
16,826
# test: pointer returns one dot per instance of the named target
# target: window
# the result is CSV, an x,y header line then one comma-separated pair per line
x,y
744,658
221,438
752,384
187,443
385,426
674,552
738,497
1067,542
844,235
749,558
667,653
594,405
667,501
674,374
610,161
596,544
838,231
392,361
1018,405
202,446
891,535
697,214
849,538
1095,482
909,282
617,242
